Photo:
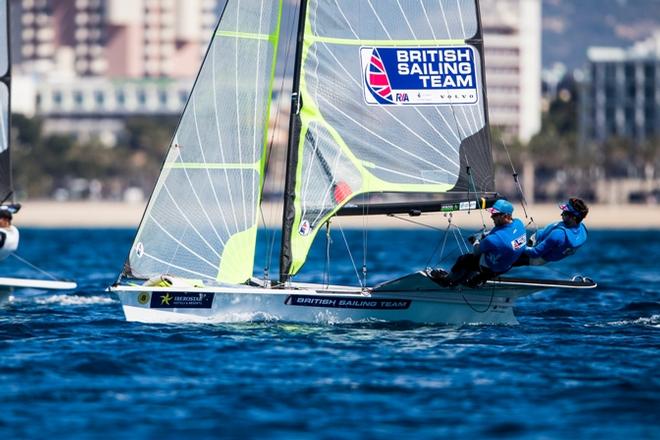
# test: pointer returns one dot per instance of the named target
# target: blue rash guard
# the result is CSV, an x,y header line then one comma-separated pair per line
x,y
557,241
503,246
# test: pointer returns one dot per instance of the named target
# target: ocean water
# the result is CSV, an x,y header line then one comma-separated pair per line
x,y
580,364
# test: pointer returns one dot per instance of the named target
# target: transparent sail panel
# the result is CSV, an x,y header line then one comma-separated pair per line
x,y
392,98
4,39
201,219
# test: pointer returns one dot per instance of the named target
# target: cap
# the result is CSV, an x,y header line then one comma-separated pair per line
x,y
501,206
568,207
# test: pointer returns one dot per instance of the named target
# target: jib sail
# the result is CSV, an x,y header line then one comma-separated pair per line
x,y
201,219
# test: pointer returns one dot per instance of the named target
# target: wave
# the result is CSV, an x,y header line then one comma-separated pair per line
x,y
650,321
74,300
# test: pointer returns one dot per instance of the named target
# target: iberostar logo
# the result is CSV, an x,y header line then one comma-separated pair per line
x,y
165,299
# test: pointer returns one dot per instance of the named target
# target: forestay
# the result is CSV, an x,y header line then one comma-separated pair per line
x,y
392,100
201,219
5,82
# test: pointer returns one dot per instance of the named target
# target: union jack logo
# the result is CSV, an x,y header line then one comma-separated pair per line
x,y
305,228
379,83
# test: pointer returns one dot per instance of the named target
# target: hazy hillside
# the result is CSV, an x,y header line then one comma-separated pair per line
x,y
570,26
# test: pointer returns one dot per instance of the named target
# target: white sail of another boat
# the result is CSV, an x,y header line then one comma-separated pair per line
x,y
7,199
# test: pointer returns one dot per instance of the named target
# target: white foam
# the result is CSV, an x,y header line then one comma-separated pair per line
x,y
651,321
74,300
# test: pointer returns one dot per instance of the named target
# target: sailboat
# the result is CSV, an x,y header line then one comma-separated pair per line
x,y
7,201
388,98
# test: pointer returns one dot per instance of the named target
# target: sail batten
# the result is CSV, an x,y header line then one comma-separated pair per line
x,y
392,101
202,216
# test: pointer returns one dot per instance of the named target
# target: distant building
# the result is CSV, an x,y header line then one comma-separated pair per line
x,y
621,93
96,107
146,38
63,40
512,38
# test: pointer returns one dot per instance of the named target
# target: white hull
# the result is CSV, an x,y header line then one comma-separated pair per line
x,y
27,283
9,285
414,298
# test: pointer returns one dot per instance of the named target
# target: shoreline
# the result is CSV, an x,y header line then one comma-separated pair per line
x,y
102,214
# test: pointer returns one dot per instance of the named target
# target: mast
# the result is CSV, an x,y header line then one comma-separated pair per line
x,y
5,157
289,213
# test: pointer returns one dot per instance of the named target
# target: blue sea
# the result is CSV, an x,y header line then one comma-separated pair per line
x,y
581,364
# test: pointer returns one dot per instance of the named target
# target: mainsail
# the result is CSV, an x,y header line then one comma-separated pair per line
x,y
201,219
391,98
6,190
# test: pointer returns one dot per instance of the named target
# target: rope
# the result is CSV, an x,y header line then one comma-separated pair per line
x,y
328,241
415,222
444,242
514,173
365,221
23,260
490,303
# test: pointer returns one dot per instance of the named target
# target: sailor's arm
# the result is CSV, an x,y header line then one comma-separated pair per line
x,y
543,247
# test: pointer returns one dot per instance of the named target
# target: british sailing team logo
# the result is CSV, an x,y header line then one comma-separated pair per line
x,y
441,75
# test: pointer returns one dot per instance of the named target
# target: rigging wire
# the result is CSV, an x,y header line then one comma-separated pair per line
x,y
514,173
348,248
23,260
444,243
404,219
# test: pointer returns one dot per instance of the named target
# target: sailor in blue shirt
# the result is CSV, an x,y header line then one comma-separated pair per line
x,y
494,254
558,240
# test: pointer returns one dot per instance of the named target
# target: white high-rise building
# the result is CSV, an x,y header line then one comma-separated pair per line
x,y
512,39
621,93
146,38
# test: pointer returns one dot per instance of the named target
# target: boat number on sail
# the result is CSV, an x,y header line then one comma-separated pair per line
x,y
419,75
181,300
347,303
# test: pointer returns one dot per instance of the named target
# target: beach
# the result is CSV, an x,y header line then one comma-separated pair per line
x,y
102,214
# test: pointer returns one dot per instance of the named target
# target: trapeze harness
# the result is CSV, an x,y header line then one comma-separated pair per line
x,y
8,241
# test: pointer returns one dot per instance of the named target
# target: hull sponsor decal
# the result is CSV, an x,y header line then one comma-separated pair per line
x,y
347,303
181,300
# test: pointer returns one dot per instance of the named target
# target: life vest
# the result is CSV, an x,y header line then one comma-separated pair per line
x,y
573,239
9,238
503,246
